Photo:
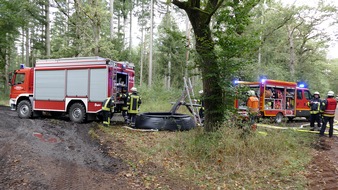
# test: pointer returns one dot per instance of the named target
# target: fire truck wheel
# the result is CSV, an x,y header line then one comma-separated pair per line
x,y
279,117
24,109
77,113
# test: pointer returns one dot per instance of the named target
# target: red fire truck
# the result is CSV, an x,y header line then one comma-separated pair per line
x,y
76,86
277,99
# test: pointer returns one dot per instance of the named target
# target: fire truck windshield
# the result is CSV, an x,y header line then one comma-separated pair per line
x,y
19,78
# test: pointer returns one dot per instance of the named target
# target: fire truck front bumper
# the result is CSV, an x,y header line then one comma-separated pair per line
x,y
12,104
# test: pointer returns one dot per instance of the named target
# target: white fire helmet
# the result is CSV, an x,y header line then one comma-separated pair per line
x,y
316,93
133,89
330,93
200,92
251,93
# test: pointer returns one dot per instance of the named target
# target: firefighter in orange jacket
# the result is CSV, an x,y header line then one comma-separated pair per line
x,y
330,105
252,104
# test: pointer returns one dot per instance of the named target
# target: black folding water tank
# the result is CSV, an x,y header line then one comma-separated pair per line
x,y
164,121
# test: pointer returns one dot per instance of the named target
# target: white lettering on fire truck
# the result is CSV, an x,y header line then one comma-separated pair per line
x,y
18,87
97,105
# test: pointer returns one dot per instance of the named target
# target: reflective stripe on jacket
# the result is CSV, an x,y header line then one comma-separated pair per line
x,y
314,105
124,98
330,107
107,104
134,102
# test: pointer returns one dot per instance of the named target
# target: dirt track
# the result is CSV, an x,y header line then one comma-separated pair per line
x,y
56,154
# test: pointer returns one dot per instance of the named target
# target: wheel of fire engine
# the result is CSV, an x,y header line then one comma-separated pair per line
x,y
164,121
290,118
279,117
77,113
24,109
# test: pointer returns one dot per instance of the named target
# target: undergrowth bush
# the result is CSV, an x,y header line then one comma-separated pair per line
x,y
240,160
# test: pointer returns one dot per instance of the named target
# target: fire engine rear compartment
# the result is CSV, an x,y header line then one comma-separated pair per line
x,y
53,87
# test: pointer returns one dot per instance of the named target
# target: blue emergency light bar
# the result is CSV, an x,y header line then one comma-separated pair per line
x,y
22,66
301,84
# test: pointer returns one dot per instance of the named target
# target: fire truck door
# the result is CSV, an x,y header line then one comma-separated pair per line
x,y
19,84
303,96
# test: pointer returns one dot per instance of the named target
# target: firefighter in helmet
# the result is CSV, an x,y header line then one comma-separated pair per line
x,y
134,102
252,105
329,108
315,104
201,102
107,110
124,97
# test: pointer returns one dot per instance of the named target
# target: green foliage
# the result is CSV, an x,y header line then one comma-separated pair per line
x,y
171,48
291,30
223,159
235,45
224,155
158,98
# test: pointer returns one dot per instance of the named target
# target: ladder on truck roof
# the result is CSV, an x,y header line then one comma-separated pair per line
x,y
74,61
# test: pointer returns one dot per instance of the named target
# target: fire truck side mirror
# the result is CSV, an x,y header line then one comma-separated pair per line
x,y
10,77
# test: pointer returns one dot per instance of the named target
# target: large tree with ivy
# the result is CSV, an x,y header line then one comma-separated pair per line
x,y
200,13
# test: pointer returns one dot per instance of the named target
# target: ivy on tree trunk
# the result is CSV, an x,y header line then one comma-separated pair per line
x,y
213,93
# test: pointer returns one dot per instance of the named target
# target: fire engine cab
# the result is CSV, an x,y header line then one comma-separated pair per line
x,y
76,86
277,99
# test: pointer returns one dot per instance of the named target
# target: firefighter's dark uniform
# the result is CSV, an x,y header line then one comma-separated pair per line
x,y
124,98
329,113
134,102
201,110
107,107
315,104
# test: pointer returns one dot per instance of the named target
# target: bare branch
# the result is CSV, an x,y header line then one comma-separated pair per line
x,y
180,4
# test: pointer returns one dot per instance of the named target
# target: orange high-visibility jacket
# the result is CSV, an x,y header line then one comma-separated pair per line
x,y
252,104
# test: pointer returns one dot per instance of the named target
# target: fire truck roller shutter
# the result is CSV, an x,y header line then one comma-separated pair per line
x,y
98,84
49,84
77,82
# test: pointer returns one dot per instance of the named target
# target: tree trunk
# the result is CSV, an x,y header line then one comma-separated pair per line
x,y
7,62
187,35
142,55
130,27
169,71
77,5
47,30
292,53
111,19
213,92
27,46
23,45
150,74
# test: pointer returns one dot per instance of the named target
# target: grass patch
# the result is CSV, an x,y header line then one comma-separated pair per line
x,y
224,159
4,101
159,99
